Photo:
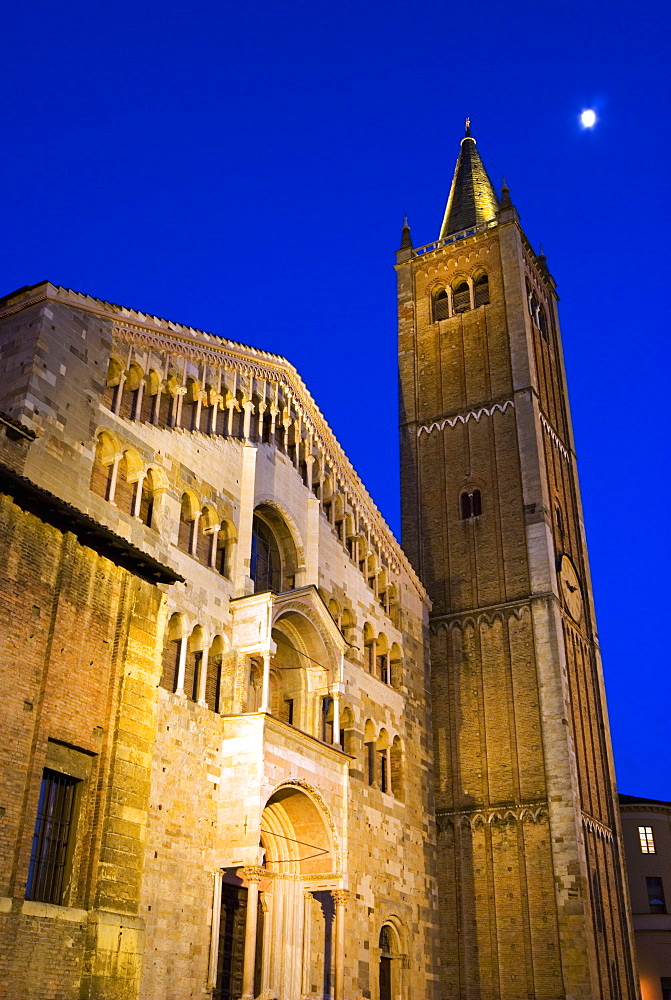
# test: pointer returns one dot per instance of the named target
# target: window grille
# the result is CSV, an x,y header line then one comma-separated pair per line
x,y
51,839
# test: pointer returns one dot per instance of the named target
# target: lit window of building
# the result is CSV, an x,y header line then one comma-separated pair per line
x,y
647,840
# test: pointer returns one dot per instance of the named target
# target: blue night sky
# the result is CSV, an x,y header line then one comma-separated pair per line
x,y
245,168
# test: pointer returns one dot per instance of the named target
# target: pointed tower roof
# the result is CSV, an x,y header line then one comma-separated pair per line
x,y
472,197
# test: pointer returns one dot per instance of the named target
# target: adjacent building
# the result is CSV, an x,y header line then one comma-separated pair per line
x,y
646,827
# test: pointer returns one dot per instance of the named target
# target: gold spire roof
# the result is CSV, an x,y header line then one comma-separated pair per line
x,y
472,197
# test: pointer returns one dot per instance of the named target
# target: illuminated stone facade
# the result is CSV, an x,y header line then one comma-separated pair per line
x,y
218,769
217,761
532,891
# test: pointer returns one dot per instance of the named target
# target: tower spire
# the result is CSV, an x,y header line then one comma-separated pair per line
x,y
472,198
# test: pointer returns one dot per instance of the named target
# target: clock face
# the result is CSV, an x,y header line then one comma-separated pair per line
x,y
570,588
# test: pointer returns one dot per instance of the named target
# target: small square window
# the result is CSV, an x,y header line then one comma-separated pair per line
x,y
646,839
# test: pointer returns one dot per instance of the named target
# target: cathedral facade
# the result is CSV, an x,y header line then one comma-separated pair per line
x,y
253,747
215,679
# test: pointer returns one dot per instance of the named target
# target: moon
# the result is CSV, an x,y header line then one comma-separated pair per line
x,y
588,118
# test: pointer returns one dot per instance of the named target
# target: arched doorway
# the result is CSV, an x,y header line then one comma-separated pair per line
x,y
389,970
290,942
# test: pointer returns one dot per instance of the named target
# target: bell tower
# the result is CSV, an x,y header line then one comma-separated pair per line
x,y
532,891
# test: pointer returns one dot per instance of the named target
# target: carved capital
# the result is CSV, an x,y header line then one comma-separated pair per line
x,y
254,873
340,896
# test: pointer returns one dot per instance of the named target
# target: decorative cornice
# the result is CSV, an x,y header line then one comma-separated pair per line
x,y
554,437
132,327
532,812
484,411
600,829
490,612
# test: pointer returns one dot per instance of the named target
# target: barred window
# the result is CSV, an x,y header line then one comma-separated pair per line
x,y
52,838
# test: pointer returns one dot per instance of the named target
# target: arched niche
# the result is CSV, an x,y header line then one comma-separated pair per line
x,y
297,834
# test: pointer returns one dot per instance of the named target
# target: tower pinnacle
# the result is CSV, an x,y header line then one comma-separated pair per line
x,y
472,198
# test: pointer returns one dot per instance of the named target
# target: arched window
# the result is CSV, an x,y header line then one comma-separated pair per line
x,y
382,659
382,748
187,523
131,402
395,666
193,666
102,474
386,957
461,301
222,556
190,406
113,384
396,769
542,323
369,648
470,504
127,483
369,752
214,672
327,719
171,652
481,290
440,305
266,563
146,511
152,384
206,536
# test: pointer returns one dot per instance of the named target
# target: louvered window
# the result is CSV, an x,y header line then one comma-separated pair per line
x,y
441,305
481,291
462,298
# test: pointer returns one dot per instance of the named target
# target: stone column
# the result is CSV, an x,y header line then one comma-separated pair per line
x,y
202,678
252,876
213,548
335,694
111,486
214,934
265,689
181,669
340,897
138,401
248,407
137,499
193,545
177,400
119,393
307,947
